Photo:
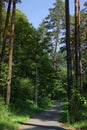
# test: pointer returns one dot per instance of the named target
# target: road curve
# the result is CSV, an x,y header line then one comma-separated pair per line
x,y
47,120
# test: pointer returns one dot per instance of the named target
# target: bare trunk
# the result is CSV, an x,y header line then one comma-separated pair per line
x,y
36,83
76,44
86,29
5,34
55,51
79,44
0,21
73,55
11,54
69,66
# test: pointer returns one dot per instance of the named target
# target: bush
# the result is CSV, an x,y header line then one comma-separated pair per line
x,y
44,102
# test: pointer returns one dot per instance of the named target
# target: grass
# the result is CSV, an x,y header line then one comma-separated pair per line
x,y
79,125
22,111
18,112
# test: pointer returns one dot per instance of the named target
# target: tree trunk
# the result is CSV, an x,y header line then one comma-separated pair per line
x,y
55,51
79,46
76,43
36,84
86,29
69,62
0,22
11,54
5,34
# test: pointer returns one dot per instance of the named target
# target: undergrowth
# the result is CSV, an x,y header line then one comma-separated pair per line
x,y
10,117
81,124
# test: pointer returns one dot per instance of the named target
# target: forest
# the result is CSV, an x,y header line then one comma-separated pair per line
x,y
39,66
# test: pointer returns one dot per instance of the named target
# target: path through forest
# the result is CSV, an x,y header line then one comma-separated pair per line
x,y
47,120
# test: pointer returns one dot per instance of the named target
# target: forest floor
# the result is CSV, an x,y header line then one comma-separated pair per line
x,y
46,120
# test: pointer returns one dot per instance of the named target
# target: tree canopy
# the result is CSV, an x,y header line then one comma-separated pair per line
x,y
49,63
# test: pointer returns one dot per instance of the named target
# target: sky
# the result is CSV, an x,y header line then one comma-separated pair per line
x,y
37,10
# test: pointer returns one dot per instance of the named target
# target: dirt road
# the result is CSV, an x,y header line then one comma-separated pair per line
x,y
47,120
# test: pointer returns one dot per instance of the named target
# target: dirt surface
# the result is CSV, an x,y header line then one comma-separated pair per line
x,y
47,120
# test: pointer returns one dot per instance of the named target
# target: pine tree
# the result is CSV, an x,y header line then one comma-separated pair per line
x,y
11,54
0,20
76,43
54,22
5,34
79,49
68,46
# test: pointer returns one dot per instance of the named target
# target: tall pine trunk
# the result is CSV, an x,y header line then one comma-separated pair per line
x,y
5,34
11,54
86,29
78,67
79,48
76,43
69,62
0,22
55,50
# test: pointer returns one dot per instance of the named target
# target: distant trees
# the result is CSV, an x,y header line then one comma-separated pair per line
x,y
54,23
54,26
39,66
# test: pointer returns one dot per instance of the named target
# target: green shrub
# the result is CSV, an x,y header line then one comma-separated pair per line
x,y
44,102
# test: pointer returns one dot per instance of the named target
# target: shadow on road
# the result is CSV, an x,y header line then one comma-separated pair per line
x,y
46,120
41,127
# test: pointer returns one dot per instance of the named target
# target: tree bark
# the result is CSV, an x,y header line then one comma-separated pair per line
x,y
86,29
0,21
69,62
36,84
11,54
55,50
5,34
76,44
79,46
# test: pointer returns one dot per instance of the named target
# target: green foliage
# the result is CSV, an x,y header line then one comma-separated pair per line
x,y
35,48
5,118
6,125
18,112
64,112
44,102
79,102
81,124
60,87
28,108
22,89
3,78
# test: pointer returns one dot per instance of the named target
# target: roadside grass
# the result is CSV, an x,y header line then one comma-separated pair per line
x,y
82,125
64,118
10,117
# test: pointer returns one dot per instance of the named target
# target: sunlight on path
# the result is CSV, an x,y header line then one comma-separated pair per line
x,y
47,120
